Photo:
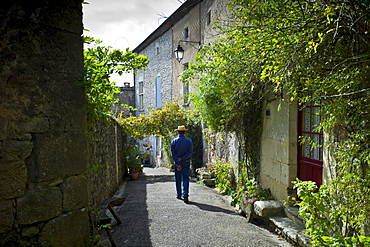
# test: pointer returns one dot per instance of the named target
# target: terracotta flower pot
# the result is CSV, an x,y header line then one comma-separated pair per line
x,y
134,176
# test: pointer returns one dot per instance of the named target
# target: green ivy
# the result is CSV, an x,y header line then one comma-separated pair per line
x,y
299,52
333,214
250,192
225,181
100,63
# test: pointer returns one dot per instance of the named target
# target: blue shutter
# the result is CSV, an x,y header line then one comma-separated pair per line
x,y
158,92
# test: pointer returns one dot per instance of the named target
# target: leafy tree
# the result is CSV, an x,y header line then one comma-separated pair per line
x,y
159,122
100,63
304,51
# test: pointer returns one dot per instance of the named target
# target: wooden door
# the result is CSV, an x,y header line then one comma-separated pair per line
x,y
310,153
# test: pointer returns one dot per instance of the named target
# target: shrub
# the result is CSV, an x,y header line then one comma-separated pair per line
x,y
252,192
225,180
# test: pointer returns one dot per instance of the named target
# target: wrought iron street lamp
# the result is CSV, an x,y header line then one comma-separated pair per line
x,y
179,51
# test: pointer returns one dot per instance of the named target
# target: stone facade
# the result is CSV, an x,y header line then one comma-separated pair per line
x,y
188,28
186,25
193,21
154,87
279,147
45,153
126,96
158,73
106,163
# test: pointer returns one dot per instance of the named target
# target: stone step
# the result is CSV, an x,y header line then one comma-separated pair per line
x,y
209,181
292,213
268,208
284,221
290,231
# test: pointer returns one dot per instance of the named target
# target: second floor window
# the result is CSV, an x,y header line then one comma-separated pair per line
x,y
158,96
185,87
141,95
209,18
186,32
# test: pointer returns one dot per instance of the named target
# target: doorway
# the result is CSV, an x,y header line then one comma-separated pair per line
x,y
310,151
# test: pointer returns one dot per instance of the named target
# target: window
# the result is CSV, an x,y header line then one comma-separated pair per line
x,y
310,152
158,96
209,18
186,32
185,87
159,145
141,95
312,147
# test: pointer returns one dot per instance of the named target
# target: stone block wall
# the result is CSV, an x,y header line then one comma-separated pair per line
x,y
45,184
42,124
106,163
127,96
279,149
159,54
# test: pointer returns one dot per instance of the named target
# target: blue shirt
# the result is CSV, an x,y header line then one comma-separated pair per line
x,y
181,147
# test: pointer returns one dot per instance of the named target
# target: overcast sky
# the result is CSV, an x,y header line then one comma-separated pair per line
x,y
125,23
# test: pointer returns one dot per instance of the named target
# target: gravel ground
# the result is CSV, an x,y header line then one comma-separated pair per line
x,y
152,216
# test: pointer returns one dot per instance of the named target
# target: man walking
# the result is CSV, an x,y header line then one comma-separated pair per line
x,y
181,149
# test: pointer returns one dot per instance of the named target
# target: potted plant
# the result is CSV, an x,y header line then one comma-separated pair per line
x,y
146,158
133,162
146,154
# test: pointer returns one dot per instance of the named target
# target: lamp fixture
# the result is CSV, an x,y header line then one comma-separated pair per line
x,y
179,51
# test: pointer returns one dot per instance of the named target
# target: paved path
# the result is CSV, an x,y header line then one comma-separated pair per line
x,y
152,216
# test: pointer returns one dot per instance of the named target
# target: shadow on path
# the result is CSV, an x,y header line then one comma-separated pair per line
x,y
211,208
159,178
152,216
134,230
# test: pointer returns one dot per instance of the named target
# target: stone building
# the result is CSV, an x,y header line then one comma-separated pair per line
x,y
282,158
127,97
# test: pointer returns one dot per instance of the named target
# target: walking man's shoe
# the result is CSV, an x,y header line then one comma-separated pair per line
x,y
179,197
186,200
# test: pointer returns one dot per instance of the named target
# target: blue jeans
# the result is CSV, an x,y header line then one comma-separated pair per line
x,y
182,176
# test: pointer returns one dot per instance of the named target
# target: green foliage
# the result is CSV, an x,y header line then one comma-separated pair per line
x,y
333,214
250,192
94,169
100,63
132,155
311,51
225,181
159,122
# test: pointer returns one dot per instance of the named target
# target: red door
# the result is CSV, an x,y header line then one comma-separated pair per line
x,y
310,152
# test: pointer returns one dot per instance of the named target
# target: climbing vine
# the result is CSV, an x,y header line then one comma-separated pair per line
x,y
161,122
297,51
99,63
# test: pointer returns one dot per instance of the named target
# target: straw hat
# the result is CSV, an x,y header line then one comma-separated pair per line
x,y
181,128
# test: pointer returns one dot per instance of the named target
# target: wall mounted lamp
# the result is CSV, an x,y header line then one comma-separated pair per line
x,y
179,51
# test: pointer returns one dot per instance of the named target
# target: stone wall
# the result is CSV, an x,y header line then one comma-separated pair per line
x,y
44,149
126,96
106,163
279,142
159,54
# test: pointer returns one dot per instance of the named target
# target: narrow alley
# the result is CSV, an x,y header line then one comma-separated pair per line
x,y
152,216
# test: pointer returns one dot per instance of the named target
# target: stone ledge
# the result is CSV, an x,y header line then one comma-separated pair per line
x,y
268,208
290,231
293,214
283,220
209,181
